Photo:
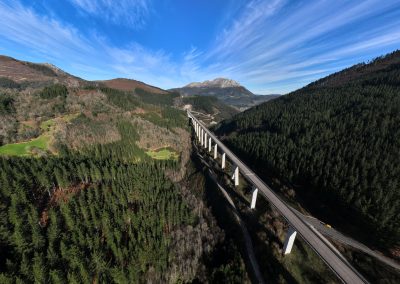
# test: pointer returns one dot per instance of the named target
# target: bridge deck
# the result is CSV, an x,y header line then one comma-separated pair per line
x,y
339,265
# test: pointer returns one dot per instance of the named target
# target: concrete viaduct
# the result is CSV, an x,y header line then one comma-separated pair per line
x,y
327,252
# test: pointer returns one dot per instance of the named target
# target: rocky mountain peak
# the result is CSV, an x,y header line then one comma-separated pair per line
x,y
218,82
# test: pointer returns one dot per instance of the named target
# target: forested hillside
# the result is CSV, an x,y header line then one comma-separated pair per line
x,y
337,138
79,218
210,105
97,186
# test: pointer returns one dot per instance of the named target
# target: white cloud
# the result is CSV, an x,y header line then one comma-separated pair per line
x,y
90,57
279,41
269,45
131,13
46,35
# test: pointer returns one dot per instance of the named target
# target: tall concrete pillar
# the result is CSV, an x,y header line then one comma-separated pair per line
x,y
215,150
202,137
235,175
199,129
223,161
254,198
290,237
205,140
209,144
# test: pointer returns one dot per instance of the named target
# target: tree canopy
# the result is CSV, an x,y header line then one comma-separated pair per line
x,y
339,137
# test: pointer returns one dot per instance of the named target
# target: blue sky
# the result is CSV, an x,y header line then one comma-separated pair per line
x,y
273,46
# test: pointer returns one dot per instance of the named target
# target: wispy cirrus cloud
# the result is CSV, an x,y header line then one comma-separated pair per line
x,y
269,46
131,13
88,56
276,45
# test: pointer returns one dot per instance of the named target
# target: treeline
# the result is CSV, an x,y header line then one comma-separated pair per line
x,y
8,83
341,141
45,70
210,105
6,104
202,103
124,149
156,99
124,100
54,91
168,118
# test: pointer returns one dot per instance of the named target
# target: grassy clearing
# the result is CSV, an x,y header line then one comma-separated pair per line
x,y
163,154
42,142
23,148
46,125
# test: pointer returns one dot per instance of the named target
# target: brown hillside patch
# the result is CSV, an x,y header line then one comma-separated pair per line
x,y
30,123
60,195
21,71
17,71
131,85
82,92
139,111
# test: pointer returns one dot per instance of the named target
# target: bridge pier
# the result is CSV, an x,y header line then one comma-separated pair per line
x,y
235,175
215,150
223,160
199,135
290,237
254,198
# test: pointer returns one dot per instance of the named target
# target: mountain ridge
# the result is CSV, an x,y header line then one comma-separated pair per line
x,y
226,90
41,74
217,82
125,84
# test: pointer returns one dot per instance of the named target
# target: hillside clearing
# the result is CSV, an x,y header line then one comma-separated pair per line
x,y
24,148
163,154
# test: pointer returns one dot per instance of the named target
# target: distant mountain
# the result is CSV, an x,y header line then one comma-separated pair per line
x,y
218,83
33,93
226,90
36,74
130,85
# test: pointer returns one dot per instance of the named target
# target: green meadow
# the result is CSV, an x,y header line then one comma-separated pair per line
x,y
23,148
163,154
41,142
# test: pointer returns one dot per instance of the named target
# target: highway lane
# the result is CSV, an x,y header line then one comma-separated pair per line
x,y
338,236
339,265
